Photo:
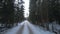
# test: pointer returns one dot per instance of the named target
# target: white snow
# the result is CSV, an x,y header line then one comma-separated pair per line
x,y
38,30
54,27
35,29
14,29
25,30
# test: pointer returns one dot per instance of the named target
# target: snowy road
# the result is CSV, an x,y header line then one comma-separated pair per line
x,y
27,28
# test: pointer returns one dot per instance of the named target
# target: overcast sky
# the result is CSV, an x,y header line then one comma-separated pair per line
x,y
26,7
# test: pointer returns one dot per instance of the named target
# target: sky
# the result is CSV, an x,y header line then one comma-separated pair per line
x,y
26,7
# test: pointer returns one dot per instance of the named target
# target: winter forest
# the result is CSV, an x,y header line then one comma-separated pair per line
x,y
29,16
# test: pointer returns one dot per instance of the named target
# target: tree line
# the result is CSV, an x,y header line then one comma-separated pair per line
x,y
44,11
11,11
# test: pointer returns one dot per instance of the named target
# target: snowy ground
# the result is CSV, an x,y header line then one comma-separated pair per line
x,y
26,28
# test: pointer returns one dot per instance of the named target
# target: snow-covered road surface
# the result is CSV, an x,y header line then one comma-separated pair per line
x,y
27,28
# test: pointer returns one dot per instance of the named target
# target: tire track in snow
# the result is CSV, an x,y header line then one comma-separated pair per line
x,y
30,31
25,30
20,31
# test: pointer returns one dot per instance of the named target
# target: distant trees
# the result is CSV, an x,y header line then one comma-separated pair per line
x,y
7,12
1,6
38,10
10,12
33,8
52,6
54,11
44,10
19,11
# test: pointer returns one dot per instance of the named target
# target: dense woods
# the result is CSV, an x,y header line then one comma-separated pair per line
x,y
11,11
41,11
44,11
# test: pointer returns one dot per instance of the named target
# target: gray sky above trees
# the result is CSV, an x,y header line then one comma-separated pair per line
x,y
26,7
